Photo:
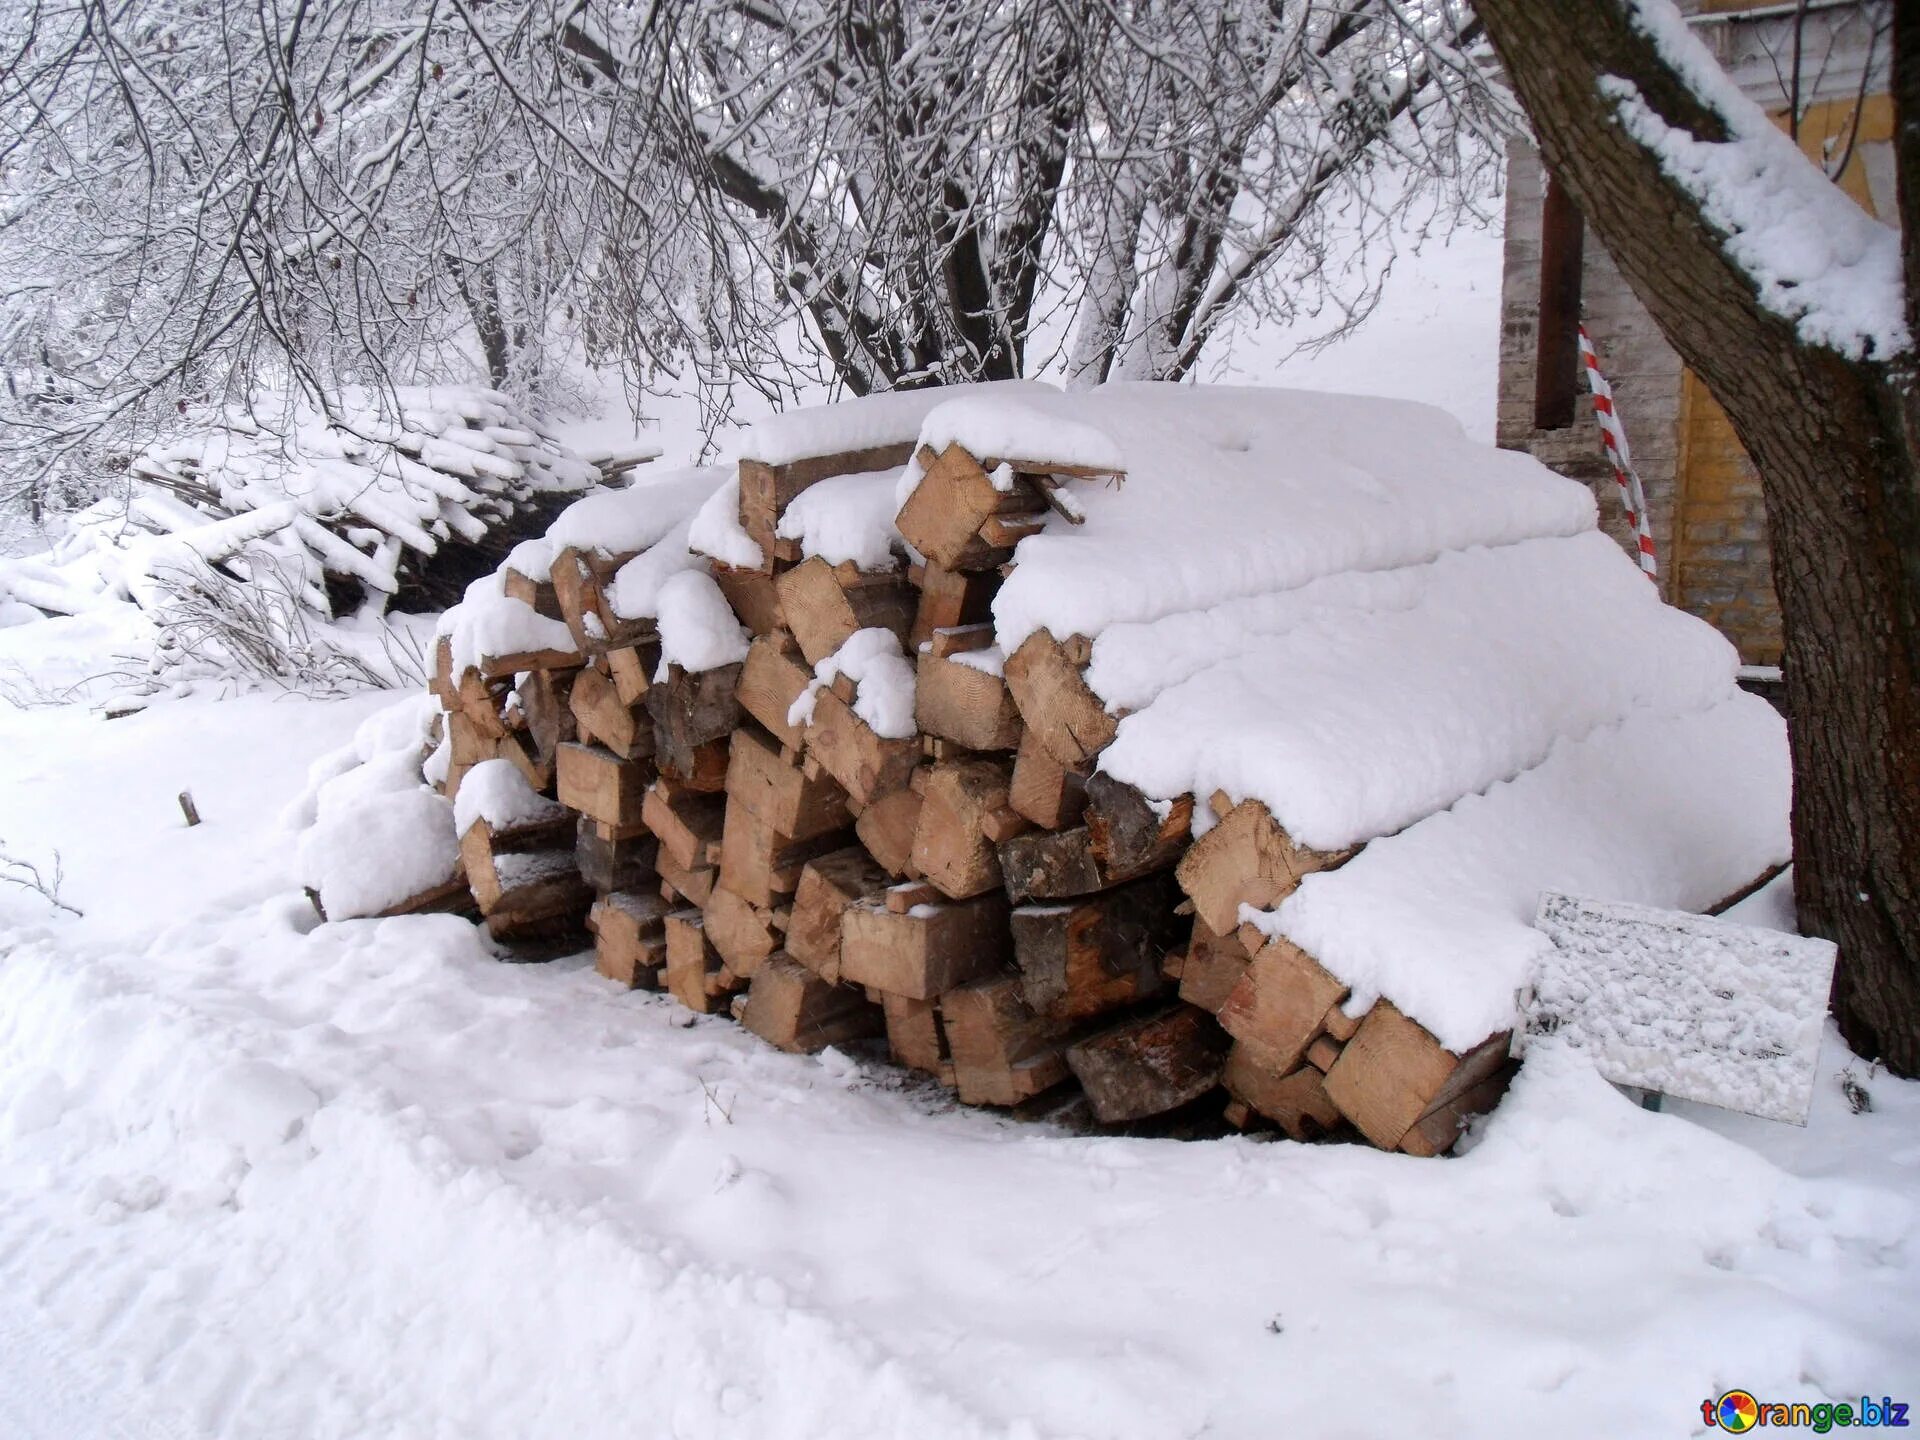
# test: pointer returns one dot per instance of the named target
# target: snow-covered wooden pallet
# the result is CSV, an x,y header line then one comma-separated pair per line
x,y
1683,1005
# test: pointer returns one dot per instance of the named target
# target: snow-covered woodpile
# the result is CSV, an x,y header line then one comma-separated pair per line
x,y
1178,742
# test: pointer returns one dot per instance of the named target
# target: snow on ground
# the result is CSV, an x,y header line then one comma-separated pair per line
x,y
260,1177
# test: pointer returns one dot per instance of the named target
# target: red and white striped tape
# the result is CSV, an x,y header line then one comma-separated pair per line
x,y
1615,437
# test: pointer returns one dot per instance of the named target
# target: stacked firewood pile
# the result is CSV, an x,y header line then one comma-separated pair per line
x,y
975,890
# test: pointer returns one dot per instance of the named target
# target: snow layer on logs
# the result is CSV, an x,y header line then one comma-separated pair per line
x,y
867,423
1670,810
849,517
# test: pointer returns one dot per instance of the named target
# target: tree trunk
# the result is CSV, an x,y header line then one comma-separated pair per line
x,y
1837,445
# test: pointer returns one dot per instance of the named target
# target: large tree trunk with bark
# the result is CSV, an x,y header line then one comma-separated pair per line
x,y
1837,444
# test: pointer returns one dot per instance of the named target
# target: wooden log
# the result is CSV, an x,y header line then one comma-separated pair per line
x,y
451,896
1066,717
1132,834
955,496
1045,791
517,749
1213,966
823,604
612,858
753,595
630,938
742,933
1050,865
470,744
1393,1072
483,843
957,700
504,666
770,681
1002,1053
581,580
950,598
867,765
915,1037
442,683
766,490
1323,1052
950,846
1280,1005
602,786
687,823
631,668
1087,957
695,974
1297,1102
828,885
480,700
596,705
693,884
780,792
926,951
1247,859
689,709
532,892
760,863
1438,1131
1150,1064
1340,1025
545,700
538,595
793,1009
887,827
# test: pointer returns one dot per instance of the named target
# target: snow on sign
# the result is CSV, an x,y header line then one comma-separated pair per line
x,y
1691,1007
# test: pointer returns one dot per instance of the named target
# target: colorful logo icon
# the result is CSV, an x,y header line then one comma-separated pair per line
x,y
1737,1412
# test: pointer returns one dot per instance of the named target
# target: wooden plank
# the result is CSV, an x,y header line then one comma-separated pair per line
x,y
1247,859
1043,790
950,847
950,598
1212,968
1002,1052
887,827
1090,956
1065,716
963,703
770,681
868,766
779,791
792,1008
927,951
602,786
1150,1064
822,609
1297,1101
828,885
1280,1005
1131,834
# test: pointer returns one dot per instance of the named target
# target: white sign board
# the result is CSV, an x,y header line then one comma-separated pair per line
x,y
1684,1005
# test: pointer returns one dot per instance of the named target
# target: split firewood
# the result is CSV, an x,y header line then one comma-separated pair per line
x,y
581,580
536,594
793,1009
602,786
1247,859
1342,1026
483,846
955,497
1002,1052
630,938
1050,865
779,791
481,700
1150,1064
1086,957
442,683
690,709
1393,1072
1132,834
887,827
867,765
753,595
692,884
950,598
596,706
762,864
823,604
1323,1052
1438,1131
744,934
516,747
950,846
545,701
929,949
828,885
695,974
958,700
1297,1102
469,743
614,857
770,681
1280,1005
1212,968
687,823
915,1036
632,667
1055,701
766,490
1043,790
